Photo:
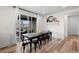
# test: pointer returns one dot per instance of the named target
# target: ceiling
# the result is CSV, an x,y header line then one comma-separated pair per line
x,y
44,10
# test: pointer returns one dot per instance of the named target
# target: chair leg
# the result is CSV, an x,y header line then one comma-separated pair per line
x,y
35,47
24,45
23,48
45,41
41,43
27,45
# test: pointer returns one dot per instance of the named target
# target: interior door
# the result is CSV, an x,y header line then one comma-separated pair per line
x,y
73,22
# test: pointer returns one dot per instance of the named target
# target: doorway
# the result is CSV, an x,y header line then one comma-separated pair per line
x,y
73,28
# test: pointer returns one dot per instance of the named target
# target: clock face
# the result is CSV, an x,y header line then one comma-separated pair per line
x,y
50,19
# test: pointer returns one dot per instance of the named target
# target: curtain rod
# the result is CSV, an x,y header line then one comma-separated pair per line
x,y
25,10
28,11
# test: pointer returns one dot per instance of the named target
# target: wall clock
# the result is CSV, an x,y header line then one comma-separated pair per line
x,y
50,19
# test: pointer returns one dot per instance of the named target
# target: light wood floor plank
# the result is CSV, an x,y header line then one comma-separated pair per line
x,y
68,45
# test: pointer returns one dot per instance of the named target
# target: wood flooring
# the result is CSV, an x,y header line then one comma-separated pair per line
x,y
68,45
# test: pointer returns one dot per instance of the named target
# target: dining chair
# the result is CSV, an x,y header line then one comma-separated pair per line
x,y
48,37
42,40
35,42
25,42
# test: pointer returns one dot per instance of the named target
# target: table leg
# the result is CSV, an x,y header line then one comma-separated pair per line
x,y
51,35
30,46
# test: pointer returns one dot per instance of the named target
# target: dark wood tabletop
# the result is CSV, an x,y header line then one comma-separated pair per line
x,y
32,36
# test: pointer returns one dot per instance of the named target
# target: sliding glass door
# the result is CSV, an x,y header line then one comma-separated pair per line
x,y
25,24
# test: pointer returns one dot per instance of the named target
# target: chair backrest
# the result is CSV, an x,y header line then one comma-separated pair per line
x,y
22,38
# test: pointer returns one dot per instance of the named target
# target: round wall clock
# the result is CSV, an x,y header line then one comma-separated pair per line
x,y
50,19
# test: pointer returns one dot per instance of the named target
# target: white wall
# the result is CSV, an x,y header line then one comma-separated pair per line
x,y
7,26
57,29
60,30
41,25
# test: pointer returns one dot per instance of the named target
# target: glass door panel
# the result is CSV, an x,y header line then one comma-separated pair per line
x,y
24,24
33,27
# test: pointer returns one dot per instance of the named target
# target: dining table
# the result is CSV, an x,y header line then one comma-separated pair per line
x,y
32,36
